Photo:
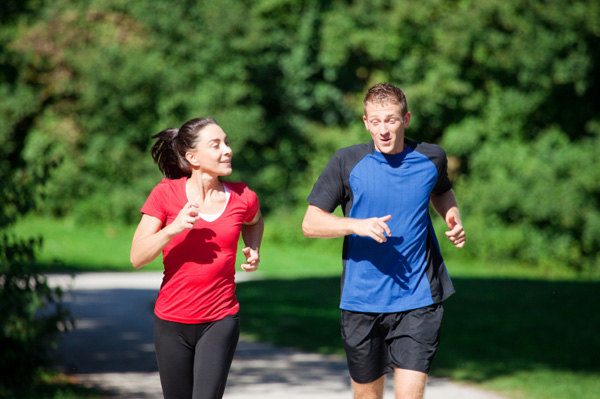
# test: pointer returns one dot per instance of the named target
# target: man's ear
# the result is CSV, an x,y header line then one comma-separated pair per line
x,y
365,121
406,119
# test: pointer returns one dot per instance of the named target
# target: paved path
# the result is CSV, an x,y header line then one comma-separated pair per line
x,y
112,348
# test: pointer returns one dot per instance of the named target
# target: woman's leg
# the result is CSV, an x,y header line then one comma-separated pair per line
x,y
175,357
214,353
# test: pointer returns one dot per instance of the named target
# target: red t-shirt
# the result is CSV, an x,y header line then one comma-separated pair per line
x,y
198,284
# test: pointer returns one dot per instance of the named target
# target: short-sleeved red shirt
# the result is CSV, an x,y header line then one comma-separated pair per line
x,y
198,284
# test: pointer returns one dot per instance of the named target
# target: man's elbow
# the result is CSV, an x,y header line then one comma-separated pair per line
x,y
307,229
314,222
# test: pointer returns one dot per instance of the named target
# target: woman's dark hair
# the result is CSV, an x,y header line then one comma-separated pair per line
x,y
171,145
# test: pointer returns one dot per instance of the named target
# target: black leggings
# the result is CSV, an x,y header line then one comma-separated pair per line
x,y
194,359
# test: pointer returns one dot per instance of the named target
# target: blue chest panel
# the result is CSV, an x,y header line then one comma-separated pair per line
x,y
389,277
400,183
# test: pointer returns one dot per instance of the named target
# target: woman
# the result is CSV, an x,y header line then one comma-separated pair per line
x,y
195,219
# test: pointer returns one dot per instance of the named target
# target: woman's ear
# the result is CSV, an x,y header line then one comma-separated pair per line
x,y
191,158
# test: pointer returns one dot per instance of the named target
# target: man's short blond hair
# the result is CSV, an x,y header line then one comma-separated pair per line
x,y
385,93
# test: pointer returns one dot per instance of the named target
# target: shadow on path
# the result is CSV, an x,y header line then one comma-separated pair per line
x,y
112,349
113,332
492,327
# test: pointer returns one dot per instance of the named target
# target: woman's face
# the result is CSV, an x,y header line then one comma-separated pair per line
x,y
212,154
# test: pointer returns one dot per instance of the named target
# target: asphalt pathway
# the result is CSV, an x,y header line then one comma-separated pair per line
x,y
112,349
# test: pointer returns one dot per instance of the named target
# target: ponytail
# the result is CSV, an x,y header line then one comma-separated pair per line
x,y
171,145
166,155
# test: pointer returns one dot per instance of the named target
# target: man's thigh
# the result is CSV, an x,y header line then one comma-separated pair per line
x,y
376,343
413,338
409,384
365,346
370,390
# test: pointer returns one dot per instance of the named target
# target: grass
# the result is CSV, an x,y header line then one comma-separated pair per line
x,y
52,385
524,332
68,246
527,338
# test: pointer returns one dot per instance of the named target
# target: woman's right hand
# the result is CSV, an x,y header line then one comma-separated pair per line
x,y
186,218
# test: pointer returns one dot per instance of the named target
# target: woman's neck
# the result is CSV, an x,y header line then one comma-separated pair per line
x,y
202,189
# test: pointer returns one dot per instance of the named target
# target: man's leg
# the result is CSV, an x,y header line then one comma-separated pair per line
x,y
366,353
409,384
371,390
414,342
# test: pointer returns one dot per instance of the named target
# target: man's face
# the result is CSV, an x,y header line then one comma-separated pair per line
x,y
386,125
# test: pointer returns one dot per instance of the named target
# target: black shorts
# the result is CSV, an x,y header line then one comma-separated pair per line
x,y
376,342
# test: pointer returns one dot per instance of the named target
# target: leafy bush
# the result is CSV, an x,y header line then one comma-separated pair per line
x,y
32,315
32,312
537,202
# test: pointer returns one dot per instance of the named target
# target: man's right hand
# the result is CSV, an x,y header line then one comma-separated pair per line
x,y
376,228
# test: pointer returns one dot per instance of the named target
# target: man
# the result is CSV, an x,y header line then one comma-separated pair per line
x,y
394,278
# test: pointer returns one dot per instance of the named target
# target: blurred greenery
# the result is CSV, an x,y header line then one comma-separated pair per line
x,y
69,247
510,89
33,315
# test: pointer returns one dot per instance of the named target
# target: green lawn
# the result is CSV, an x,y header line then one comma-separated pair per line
x,y
520,331
525,332
71,247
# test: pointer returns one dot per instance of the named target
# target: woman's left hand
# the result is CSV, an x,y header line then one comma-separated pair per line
x,y
252,259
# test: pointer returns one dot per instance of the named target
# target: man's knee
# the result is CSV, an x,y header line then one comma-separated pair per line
x,y
370,390
409,384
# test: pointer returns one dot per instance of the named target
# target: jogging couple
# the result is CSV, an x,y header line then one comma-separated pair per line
x,y
394,278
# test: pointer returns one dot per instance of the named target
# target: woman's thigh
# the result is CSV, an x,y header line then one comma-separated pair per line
x,y
214,354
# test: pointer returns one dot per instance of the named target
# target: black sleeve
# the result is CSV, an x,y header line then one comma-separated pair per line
x,y
328,192
437,155
441,162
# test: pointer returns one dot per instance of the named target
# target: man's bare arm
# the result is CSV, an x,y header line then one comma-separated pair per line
x,y
322,224
445,205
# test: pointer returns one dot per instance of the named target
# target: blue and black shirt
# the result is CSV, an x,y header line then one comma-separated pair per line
x,y
407,271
